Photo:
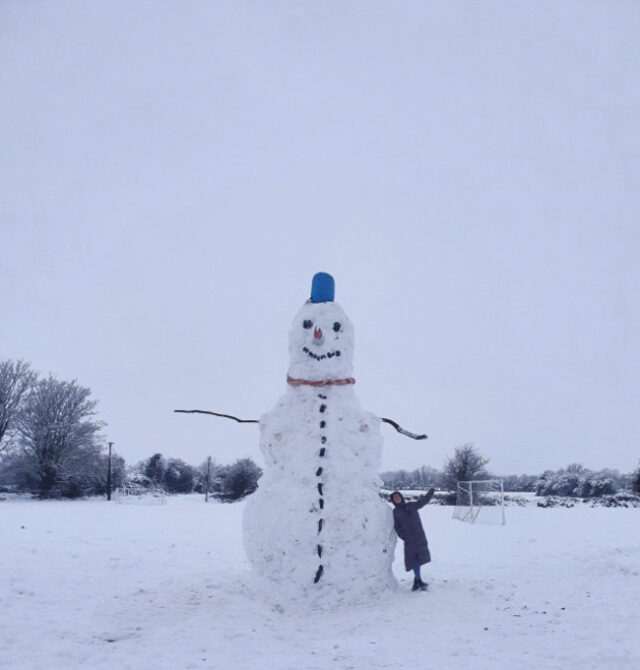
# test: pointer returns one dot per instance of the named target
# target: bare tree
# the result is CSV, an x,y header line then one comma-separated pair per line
x,y
465,465
16,378
57,436
635,480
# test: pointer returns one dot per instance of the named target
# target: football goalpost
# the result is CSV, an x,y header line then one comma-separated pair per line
x,y
480,501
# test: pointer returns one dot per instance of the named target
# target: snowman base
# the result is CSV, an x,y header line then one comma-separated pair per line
x,y
347,559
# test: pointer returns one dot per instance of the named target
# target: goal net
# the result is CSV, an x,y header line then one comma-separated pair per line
x,y
480,501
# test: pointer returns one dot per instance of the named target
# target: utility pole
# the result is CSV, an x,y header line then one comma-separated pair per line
x,y
109,474
206,495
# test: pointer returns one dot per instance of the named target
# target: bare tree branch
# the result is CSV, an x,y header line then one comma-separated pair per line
x,y
57,432
402,431
399,428
16,380
226,416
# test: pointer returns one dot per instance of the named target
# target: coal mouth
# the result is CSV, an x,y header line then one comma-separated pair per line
x,y
320,357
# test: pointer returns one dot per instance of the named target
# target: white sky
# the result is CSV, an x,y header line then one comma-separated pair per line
x,y
173,173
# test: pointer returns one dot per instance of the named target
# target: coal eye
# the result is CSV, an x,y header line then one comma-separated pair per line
x,y
307,324
336,326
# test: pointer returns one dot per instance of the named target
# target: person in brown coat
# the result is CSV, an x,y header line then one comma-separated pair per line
x,y
409,529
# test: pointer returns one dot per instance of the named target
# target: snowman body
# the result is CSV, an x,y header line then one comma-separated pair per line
x,y
317,525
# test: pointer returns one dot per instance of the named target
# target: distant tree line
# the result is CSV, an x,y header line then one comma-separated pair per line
x,y
51,444
579,482
467,464
225,482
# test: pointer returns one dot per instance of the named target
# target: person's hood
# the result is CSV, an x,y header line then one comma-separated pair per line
x,y
402,500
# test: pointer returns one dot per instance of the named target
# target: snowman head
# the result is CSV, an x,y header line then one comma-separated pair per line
x,y
321,337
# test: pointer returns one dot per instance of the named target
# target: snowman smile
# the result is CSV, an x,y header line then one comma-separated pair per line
x,y
320,357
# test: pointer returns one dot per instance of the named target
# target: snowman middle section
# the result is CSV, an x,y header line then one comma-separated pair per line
x,y
317,520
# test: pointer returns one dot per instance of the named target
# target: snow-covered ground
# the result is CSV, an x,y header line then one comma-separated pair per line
x,y
93,584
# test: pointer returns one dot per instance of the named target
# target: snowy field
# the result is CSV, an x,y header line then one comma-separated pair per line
x,y
93,584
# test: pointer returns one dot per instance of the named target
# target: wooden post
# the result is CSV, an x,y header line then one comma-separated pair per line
x,y
206,495
109,474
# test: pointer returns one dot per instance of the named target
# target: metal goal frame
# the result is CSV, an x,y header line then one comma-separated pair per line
x,y
469,502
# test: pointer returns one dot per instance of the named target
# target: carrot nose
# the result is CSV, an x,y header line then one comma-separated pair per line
x,y
317,333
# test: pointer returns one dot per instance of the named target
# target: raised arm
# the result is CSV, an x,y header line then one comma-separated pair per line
x,y
423,500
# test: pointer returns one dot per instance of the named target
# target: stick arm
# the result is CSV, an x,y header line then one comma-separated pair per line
x,y
399,428
402,431
225,416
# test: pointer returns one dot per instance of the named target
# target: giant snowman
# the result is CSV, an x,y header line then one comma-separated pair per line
x,y
316,526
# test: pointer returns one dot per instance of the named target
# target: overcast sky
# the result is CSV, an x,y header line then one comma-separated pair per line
x,y
172,174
